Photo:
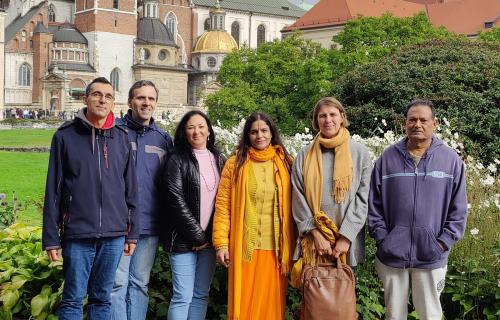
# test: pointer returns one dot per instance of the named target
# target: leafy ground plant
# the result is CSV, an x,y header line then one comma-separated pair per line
x,y
30,286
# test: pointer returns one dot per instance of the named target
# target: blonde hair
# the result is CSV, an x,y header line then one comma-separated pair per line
x,y
329,101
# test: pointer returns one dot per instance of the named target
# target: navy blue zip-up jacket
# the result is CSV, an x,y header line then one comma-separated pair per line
x,y
151,146
91,184
411,208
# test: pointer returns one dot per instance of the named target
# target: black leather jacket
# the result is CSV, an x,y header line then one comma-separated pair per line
x,y
182,217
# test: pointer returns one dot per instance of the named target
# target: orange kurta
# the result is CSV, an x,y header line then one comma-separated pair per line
x,y
228,231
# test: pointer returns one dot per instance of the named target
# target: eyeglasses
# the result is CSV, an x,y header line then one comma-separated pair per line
x,y
99,95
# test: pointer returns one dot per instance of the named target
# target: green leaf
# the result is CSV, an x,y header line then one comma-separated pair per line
x,y
38,304
9,298
18,281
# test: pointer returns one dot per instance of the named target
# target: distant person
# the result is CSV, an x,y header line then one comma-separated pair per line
x,y
192,179
417,211
90,203
253,226
151,145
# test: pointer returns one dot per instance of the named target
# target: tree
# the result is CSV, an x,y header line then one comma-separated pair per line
x,y
367,39
462,77
283,78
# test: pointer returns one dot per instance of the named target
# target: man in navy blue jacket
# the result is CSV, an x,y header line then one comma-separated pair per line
x,y
417,210
90,203
150,145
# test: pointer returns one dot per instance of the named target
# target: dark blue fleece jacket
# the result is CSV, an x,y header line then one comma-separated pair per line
x,y
91,184
411,208
151,146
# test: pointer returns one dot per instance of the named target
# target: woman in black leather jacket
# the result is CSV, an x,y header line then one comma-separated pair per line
x,y
191,182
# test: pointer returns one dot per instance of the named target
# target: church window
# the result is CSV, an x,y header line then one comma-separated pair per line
x,y
23,35
211,62
24,76
171,23
163,55
261,35
115,79
235,31
206,25
115,4
52,13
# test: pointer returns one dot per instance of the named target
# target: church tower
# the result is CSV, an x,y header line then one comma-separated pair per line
x,y
110,27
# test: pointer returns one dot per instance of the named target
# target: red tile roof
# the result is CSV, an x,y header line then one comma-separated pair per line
x,y
466,16
462,16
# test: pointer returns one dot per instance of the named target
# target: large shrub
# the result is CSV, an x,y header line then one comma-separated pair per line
x,y
462,77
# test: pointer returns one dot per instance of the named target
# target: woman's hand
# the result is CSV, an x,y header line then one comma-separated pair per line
x,y
323,246
223,257
342,245
203,246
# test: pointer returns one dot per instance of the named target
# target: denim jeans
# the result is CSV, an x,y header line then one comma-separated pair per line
x,y
129,298
89,266
192,274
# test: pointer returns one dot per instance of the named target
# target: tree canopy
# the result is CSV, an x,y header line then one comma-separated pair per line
x,y
460,76
286,78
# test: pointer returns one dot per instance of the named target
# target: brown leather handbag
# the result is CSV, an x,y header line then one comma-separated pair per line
x,y
328,292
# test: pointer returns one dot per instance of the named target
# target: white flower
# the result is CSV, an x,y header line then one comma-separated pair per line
x,y
306,129
455,135
384,122
488,181
474,231
480,166
469,206
446,122
492,168
484,204
497,161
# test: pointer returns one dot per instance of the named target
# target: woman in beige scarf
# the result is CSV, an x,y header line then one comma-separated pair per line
x,y
330,177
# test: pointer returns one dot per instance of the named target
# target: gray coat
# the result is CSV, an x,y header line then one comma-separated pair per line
x,y
350,215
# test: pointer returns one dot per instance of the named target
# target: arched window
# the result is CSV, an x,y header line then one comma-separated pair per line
x,y
24,75
171,23
115,79
235,31
52,13
261,34
206,26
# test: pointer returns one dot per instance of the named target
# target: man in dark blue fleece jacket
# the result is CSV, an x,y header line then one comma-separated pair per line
x,y
90,202
417,210
151,146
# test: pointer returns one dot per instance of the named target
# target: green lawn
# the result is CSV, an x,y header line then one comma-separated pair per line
x,y
26,137
24,173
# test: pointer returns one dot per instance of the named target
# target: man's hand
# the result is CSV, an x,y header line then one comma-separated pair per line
x,y
54,254
129,248
342,245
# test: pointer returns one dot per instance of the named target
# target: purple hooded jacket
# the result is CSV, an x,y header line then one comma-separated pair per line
x,y
411,208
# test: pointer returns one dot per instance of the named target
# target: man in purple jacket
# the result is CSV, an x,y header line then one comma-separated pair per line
x,y
417,210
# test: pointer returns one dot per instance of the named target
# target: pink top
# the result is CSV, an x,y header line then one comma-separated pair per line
x,y
209,182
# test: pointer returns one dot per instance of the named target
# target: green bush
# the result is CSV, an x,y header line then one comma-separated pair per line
x,y
462,77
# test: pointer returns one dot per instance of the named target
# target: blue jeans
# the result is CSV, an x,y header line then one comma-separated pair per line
x,y
89,266
129,298
192,274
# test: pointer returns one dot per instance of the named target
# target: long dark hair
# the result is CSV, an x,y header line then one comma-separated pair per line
x,y
182,145
245,144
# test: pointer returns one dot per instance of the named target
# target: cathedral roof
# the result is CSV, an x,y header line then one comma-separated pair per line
x,y
215,41
68,33
41,28
20,21
153,31
275,7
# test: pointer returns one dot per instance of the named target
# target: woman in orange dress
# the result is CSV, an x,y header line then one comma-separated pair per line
x,y
253,229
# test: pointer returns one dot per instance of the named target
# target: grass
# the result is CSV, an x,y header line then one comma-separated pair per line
x,y
24,173
26,137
